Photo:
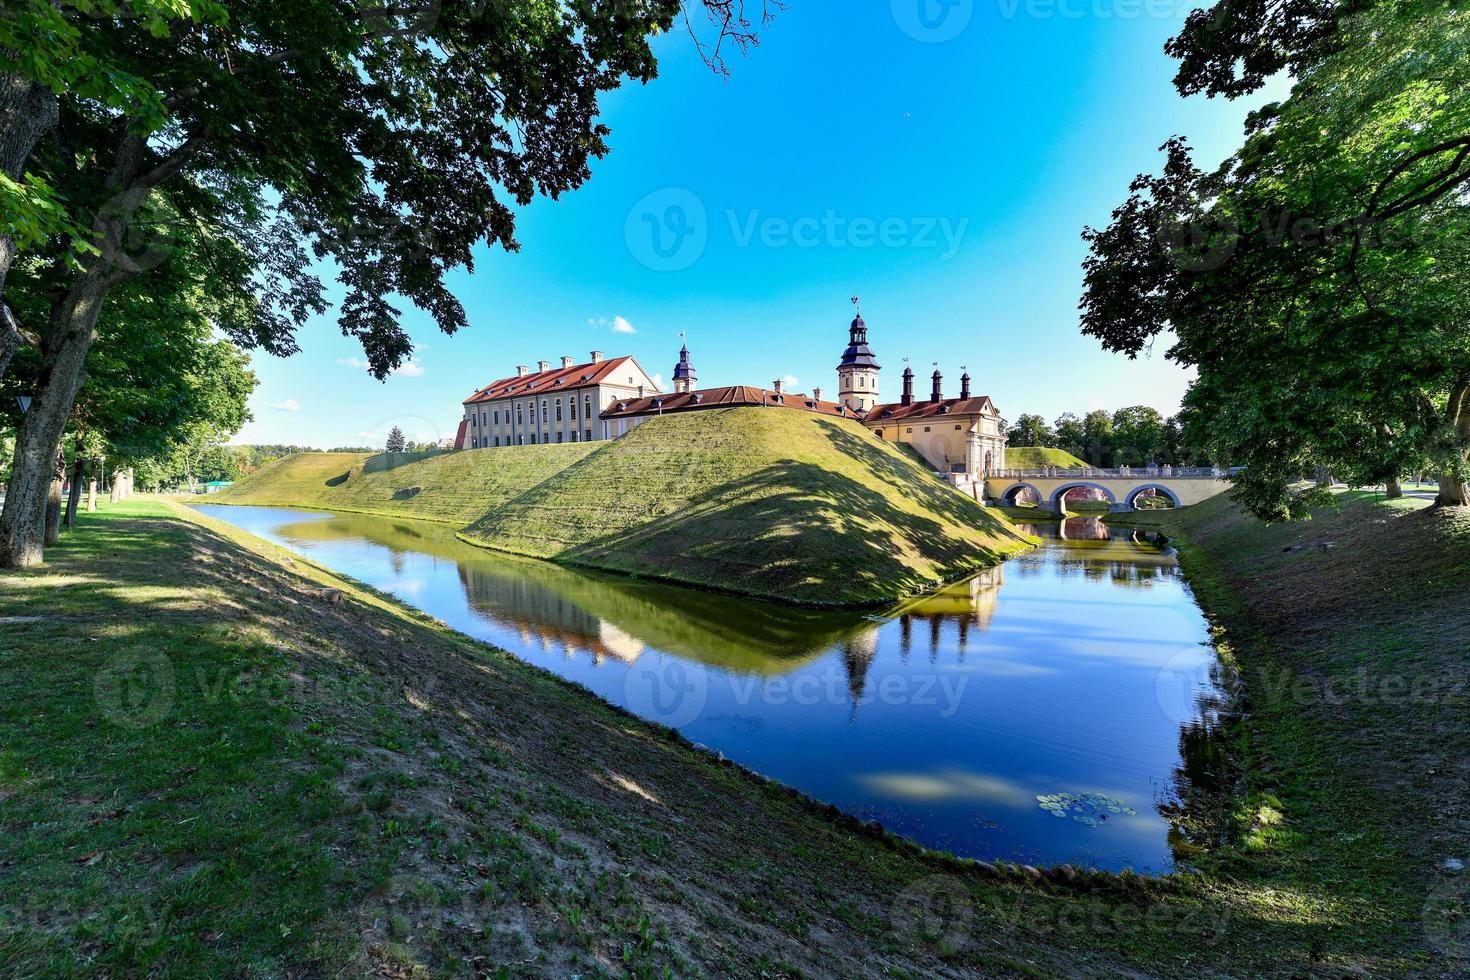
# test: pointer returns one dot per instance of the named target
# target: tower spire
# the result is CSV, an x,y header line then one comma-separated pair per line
x,y
685,377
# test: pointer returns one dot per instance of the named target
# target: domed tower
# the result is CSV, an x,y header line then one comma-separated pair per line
x,y
857,375
684,376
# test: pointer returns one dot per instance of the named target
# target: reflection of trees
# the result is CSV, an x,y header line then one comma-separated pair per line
x,y
1200,810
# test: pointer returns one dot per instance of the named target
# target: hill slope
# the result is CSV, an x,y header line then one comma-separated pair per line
x,y
1034,457
455,488
764,502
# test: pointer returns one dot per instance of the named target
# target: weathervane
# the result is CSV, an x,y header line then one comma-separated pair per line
x,y
858,305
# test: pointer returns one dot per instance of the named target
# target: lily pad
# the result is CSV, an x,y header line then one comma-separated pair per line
x,y
1088,809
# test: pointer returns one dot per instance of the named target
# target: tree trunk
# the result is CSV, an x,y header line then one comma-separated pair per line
x,y
52,532
92,488
69,335
27,112
1392,489
10,337
115,494
74,499
1453,492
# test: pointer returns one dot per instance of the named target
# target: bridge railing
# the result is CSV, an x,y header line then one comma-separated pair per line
x,y
1117,473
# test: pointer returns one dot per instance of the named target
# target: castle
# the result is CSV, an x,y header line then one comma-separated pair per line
x,y
605,399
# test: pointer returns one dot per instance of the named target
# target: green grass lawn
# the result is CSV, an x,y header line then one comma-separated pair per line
x,y
769,502
454,488
1349,635
1035,457
217,759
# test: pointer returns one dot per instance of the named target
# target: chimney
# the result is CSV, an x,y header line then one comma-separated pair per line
x,y
965,385
816,394
522,370
543,366
778,386
908,386
566,362
597,356
937,395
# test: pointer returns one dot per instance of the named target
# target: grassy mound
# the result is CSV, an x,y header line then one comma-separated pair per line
x,y
454,488
773,503
1035,457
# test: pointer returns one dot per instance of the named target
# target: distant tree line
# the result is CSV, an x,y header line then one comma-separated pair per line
x,y
1132,436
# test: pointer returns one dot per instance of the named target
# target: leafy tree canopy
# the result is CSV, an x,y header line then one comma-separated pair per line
x,y
1315,280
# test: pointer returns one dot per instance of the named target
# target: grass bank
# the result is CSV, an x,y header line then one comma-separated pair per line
x,y
219,760
776,503
1347,638
773,503
453,488
1035,457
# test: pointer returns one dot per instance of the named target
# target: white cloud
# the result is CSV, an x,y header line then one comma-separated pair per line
x,y
289,405
412,368
658,381
791,381
618,324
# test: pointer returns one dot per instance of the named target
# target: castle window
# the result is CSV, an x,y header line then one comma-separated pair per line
x,y
574,433
572,407
533,438
587,404
558,409
558,437
957,428
520,415
497,416
589,435
926,428
909,429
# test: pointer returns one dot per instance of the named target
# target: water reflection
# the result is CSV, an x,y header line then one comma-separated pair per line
x,y
1076,670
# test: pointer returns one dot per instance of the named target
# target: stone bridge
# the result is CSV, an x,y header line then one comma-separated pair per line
x,y
1121,487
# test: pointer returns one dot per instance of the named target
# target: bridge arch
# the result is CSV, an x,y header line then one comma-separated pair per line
x,y
1132,498
1059,505
1008,496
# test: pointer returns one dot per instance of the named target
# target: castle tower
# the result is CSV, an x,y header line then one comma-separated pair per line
x,y
684,376
857,375
908,386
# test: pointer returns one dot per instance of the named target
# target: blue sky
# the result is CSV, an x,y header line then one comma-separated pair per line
x,y
937,157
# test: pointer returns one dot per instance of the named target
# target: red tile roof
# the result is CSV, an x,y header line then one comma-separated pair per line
x,y
897,411
558,379
734,396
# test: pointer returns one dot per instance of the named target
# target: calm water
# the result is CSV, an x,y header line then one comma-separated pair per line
x,y
1078,673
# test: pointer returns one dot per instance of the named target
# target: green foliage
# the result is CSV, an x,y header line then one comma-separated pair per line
x,y
1030,430
1315,281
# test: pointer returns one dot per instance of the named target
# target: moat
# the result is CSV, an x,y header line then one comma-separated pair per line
x,y
1045,711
